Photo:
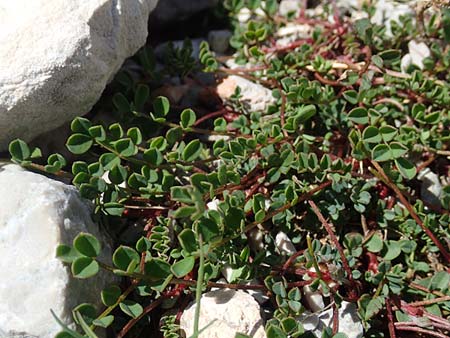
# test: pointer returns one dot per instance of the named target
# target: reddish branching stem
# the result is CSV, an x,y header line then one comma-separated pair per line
x,y
390,317
411,211
329,229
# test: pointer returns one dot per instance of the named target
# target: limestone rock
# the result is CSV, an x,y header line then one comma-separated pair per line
x,y
57,57
349,322
37,214
431,189
229,311
254,96
417,52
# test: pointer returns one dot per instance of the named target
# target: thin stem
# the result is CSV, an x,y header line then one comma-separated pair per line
x,y
382,175
404,326
133,321
333,237
313,257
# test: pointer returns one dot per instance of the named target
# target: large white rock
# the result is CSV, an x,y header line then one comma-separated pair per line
x,y
37,214
57,56
229,311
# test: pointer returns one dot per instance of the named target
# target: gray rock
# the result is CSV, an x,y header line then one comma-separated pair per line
x,y
57,57
349,322
227,312
37,214
431,189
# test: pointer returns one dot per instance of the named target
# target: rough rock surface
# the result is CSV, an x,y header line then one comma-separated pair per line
x,y
254,96
232,311
37,214
57,57
349,322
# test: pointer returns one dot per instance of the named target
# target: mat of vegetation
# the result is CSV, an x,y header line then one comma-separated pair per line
x,y
338,162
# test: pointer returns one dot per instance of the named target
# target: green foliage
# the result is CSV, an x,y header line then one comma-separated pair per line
x,y
349,137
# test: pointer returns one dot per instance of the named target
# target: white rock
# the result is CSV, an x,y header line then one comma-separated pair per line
x,y
37,214
255,96
289,6
229,311
219,40
291,33
388,10
284,244
349,322
431,189
57,57
314,299
417,52
213,205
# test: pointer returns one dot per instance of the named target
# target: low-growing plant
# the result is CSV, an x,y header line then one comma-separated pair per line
x,y
332,163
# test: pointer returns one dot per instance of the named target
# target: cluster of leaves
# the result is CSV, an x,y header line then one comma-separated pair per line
x,y
343,142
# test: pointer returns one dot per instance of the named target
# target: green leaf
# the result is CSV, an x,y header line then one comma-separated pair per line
x,y
377,61
188,118
118,174
110,295
397,149
104,322
188,240
373,307
183,267
84,267
392,250
125,147
67,330
135,135
157,268
141,95
124,256
371,135
209,229
305,113
192,151
351,96
381,153
406,168
375,243
121,103
113,208
390,54
66,253
131,308
181,194
108,161
79,143
358,115
87,311
388,133
161,106
87,244
184,212
80,125
19,150
275,332
98,133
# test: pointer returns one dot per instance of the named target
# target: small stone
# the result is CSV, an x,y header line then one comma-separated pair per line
x,y
349,322
431,188
284,244
291,33
314,299
254,96
228,312
287,7
219,40
256,239
36,215
387,11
